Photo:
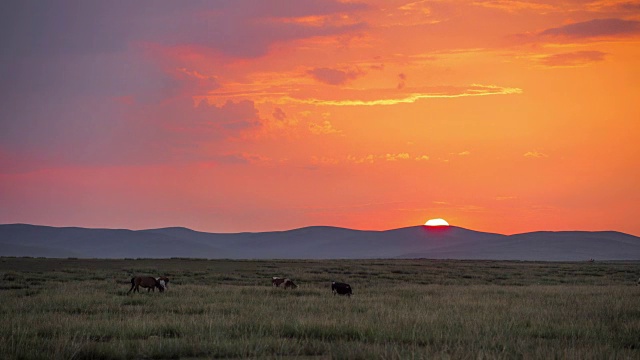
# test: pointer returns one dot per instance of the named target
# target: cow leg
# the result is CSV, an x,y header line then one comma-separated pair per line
x,y
132,286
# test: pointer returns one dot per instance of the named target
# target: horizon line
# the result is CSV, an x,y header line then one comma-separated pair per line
x,y
313,226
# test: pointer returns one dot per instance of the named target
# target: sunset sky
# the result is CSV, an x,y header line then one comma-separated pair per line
x,y
233,116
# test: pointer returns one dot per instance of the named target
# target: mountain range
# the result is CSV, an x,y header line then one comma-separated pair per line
x,y
317,242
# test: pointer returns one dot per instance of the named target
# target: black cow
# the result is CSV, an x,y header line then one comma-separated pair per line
x,y
289,284
341,288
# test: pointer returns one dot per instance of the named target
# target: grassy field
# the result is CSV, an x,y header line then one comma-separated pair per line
x,y
401,309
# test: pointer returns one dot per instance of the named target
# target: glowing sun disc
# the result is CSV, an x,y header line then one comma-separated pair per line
x,y
436,222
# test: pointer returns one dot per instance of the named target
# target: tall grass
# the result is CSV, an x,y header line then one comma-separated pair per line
x,y
79,309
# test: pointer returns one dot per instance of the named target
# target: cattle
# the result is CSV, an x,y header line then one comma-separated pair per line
x,y
289,284
148,282
341,288
277,281
164,281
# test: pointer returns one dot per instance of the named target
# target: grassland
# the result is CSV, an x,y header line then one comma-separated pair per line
x,y
401,309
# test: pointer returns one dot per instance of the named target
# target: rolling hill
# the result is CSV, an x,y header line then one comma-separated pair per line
x,y
316,242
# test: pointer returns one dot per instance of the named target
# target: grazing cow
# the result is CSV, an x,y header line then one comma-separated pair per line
x,y
289,284
276,281
148,282
341,288
164,281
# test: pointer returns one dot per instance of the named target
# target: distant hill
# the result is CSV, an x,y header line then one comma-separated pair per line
x,y
316,242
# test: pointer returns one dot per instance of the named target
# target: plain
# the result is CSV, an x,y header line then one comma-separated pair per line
x,y
79,309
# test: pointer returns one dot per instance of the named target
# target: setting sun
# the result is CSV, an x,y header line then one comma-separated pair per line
x,y
436,222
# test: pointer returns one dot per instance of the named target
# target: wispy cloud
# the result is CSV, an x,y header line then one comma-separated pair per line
x,y
577,58
513,6
535,154
473,90
595,28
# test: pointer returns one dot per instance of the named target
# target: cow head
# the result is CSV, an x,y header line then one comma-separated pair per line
x,y
163,281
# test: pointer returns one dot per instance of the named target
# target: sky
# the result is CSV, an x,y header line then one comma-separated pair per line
x,y
243,116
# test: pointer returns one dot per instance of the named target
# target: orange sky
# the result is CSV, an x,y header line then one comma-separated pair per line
x,y
500,116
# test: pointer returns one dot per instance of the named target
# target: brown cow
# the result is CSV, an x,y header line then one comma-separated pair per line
x,y
148,282
289,284
276,281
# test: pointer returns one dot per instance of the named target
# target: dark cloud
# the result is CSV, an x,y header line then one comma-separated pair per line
x,y
573,58
279,115
97,132
402,82
595,28
243,158
36,28
98,48
334,76
81,83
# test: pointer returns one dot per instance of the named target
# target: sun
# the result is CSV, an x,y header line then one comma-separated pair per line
x,y
436,222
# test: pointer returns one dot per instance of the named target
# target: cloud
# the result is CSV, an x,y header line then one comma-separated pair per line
x,y
402,81
334,76
595,28
195,82
279,114
372,158
97,132
514,6
323,129
448,92
464,153
535,154
395,157
323,160
576,58
241,158
614,5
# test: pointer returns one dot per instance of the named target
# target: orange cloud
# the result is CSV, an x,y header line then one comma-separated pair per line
x,y
322,129
512,6
473,90
535,154
576,58
395,157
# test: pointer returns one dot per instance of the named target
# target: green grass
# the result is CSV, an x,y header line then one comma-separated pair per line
x,y
401,309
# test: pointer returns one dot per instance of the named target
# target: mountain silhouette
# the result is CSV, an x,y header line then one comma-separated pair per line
x,y
316,242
